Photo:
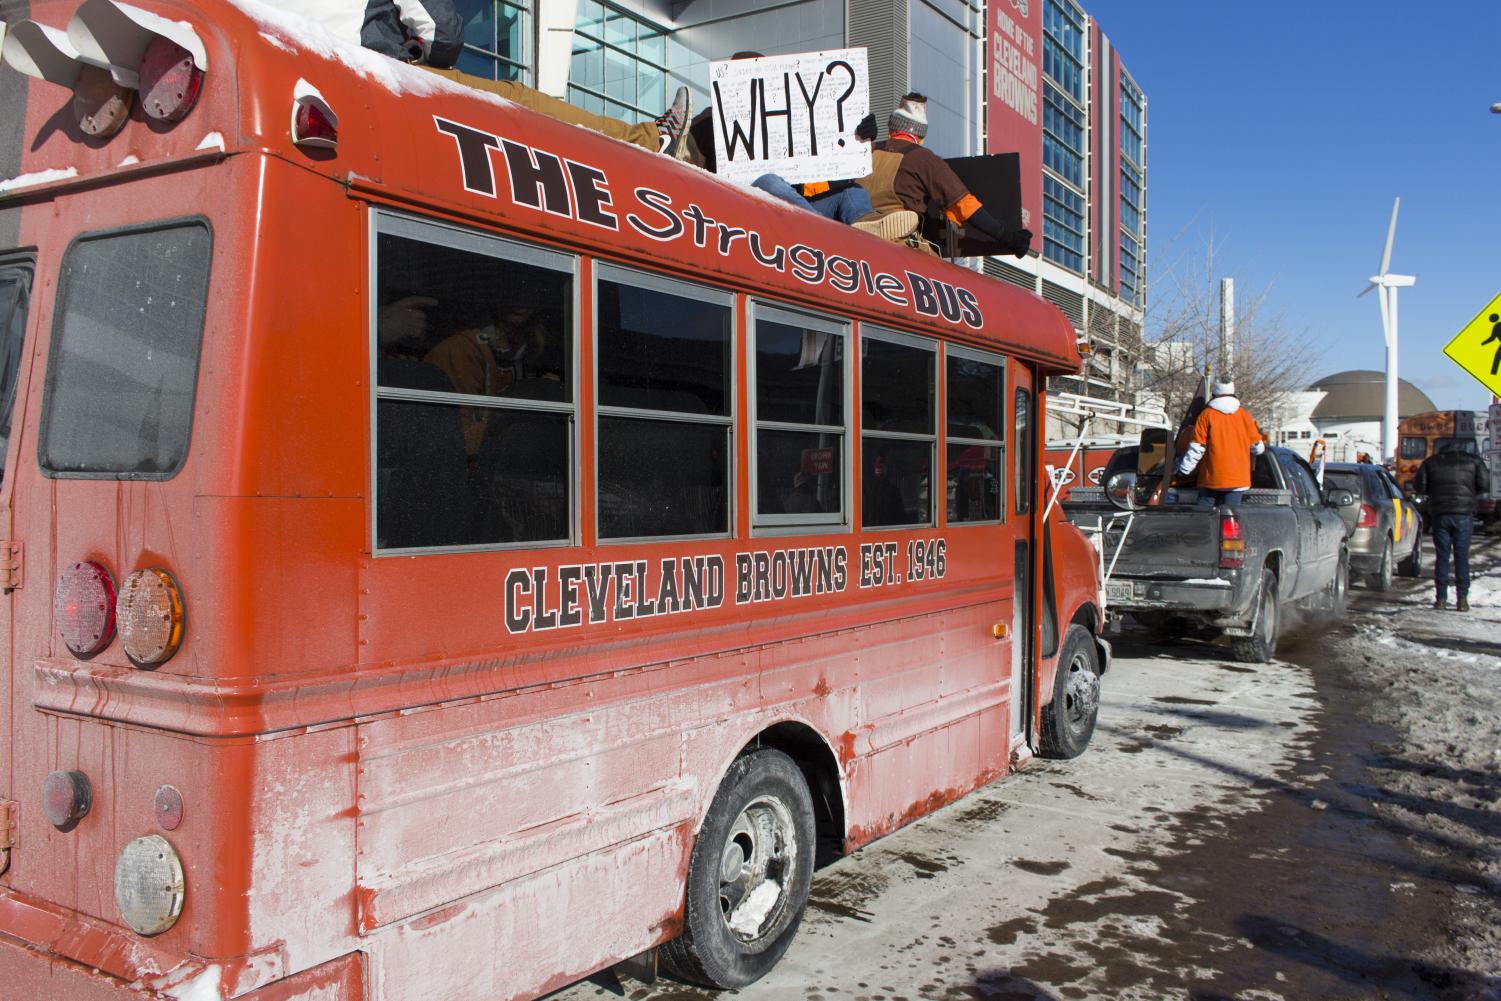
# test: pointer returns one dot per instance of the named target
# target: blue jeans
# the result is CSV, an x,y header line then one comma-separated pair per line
x,y
1215,498
846,206
1452,532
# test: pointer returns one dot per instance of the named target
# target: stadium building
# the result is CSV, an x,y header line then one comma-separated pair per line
x,y
1034,77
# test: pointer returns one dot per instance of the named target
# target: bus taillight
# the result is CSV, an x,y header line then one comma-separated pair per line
x,y
84,607
170,82
150,613
315,124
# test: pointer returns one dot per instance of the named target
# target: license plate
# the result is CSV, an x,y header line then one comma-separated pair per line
x,y
1119,590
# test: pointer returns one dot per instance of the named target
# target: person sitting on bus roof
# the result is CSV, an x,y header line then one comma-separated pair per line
x,y
429,33
905,176
1225,437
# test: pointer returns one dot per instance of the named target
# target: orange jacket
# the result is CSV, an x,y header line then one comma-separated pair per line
x,y
1224,438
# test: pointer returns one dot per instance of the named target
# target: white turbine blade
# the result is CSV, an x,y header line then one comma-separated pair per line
x,y
1391,232
1369,286
1386,318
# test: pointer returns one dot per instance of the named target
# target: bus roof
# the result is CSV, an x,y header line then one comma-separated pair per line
x,y
411,139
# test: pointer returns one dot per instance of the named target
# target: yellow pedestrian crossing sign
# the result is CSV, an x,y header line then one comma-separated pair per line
x,y
1477,348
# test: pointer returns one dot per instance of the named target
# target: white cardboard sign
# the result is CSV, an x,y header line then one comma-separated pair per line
x,y
793,116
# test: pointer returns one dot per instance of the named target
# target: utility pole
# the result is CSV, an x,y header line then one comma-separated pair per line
x,y
1227,329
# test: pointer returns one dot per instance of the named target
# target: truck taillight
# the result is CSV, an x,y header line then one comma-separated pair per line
x,y
1232,542
84,607
1367,516
170,82
150,612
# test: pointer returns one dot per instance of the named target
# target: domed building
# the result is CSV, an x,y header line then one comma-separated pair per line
x,y
1345,409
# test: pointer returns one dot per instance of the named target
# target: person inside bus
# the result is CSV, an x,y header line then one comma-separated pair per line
x,y
1225,437
430,34
906,176
421,467
468,358
802,499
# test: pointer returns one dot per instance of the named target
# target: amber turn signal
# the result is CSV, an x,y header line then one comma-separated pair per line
x,y
1000,630
150,616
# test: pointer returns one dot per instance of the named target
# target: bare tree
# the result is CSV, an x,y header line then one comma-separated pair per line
x,y
1271,359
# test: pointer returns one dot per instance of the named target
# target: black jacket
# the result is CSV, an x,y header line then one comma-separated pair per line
x,y
1453,481
429,31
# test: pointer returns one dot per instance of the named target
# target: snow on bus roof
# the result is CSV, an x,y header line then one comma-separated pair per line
x,y
290,31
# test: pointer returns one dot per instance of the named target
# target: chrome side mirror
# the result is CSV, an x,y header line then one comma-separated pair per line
x,y
1122,490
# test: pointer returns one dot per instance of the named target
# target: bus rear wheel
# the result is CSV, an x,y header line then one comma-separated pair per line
x,y
749,875
1068,721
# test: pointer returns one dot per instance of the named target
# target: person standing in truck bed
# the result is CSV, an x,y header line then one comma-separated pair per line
x,y
1225,439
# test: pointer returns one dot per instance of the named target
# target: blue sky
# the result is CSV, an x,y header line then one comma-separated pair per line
x,y
1287,129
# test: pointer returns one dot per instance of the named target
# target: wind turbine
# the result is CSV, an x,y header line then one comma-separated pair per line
x,y
1386,284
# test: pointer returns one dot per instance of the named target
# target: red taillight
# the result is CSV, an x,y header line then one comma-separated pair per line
x,y
66,799
1232,542
151,616
315,124
84,607
170,82
1367,517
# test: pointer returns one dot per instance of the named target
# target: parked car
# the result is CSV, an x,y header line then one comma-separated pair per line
x,y
1386,530
1230,569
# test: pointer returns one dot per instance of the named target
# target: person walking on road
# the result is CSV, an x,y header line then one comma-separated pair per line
x,y
1453,480
1225,438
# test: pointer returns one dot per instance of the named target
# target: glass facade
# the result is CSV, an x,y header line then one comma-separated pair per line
x,y
619,63
1133,112
1063,143
497,39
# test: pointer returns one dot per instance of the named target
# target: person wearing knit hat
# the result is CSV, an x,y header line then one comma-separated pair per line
x,y
905,177
1225,440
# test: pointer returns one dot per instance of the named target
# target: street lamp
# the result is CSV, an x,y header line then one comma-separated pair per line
x,y
1496,108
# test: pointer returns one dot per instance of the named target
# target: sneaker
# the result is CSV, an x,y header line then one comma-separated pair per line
x,y
1462,605
893,227
673,125
1442,603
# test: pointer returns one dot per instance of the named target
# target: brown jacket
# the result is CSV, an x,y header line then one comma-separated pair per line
x,y
905,175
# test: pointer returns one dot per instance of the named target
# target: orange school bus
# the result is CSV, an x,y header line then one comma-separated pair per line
x,y
448,552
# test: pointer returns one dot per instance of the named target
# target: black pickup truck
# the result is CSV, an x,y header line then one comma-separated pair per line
x,y
1230,568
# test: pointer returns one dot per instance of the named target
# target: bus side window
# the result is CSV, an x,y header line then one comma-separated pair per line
x,y
799,418
898,398
665,360
976,387
474,420
15,288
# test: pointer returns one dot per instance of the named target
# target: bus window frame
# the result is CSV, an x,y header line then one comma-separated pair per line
x,y
640,278
800,524
938,474
23,264
64,282
423,229
1002,441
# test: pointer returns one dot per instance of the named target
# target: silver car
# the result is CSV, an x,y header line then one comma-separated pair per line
x,y
1386,531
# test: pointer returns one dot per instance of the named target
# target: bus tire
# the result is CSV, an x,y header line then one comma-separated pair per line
x,y
749,875
1259,647
1068,721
